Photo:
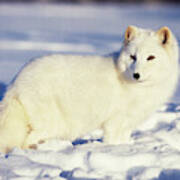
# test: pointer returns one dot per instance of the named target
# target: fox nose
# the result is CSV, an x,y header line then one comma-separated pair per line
x,y
136,76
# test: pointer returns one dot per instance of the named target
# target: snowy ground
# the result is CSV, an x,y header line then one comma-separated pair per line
x,y
32,30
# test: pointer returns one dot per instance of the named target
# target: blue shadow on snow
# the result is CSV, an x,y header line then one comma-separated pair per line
x,y
69,176
169,174
84,141
3,88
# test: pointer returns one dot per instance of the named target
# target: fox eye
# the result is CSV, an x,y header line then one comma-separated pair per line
x,y
150,58
133,57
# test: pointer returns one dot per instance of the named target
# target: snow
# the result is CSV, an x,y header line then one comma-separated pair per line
x,y
32,30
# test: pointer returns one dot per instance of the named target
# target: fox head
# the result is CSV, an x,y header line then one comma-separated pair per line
x,y
148,55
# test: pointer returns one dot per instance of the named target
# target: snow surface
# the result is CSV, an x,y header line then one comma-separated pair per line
x,y
33,30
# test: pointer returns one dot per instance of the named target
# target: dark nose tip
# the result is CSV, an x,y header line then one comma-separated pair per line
x,y
136,76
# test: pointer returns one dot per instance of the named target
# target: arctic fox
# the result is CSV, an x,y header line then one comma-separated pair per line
x,y
65,96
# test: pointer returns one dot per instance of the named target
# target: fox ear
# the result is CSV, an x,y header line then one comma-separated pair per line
x,y
164,34
130,33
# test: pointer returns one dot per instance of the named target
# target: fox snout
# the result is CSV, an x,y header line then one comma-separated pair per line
x,y
136,76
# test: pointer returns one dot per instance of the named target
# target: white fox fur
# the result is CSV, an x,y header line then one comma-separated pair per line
x,y
66,96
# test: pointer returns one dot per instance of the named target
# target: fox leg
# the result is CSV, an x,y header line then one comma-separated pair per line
x,y
13,124
117,131
34,138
